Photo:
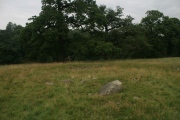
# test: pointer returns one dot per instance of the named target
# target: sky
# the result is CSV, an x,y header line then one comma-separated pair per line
x,y
18,11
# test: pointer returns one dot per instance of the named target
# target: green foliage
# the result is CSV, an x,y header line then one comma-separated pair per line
x,y
81,15
171,30
82,30
48,33
161,32
83,47
152,20
77,49
108,19
10,45
136,47
100,50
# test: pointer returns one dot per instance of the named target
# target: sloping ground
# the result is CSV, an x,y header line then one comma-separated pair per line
x,y
69,91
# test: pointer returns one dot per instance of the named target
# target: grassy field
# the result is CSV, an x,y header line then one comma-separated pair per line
x,y
38,91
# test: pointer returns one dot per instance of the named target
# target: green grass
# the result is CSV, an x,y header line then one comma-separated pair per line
x,y
151,90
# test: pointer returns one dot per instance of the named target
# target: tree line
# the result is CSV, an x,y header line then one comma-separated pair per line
x,y
83,30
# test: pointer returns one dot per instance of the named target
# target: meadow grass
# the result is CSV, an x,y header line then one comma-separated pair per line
x,y
151,90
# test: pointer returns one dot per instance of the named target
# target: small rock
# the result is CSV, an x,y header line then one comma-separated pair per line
x,y
67,81
83,81
112,87
136,98
49,83
178,69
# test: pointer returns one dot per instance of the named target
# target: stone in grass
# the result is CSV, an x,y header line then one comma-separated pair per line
x,y
49,83
110,88
83,81
68,81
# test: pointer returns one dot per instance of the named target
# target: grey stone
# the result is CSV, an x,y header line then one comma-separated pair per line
x,y
49,83
178,69
83,81
67,82
110,88
136,98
